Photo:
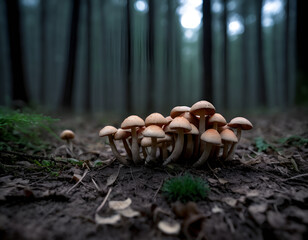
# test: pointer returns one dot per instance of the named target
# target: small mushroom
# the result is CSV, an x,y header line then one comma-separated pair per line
x,y
178,110
110,131
68,135
181,125
164,141
132,122
210,137
239,123
190,143
153,132
217,120
123,135
228,137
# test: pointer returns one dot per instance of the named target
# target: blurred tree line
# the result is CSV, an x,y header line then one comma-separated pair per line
x,y
138,56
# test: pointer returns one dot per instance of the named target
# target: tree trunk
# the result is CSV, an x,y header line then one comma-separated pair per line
x,y
151,72
71,62
128,59
286,54
225,53
245,60
262,86
19,91
43,52
88,70
207,51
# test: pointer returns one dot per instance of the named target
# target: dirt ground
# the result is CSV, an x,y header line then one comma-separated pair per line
x,y
257,195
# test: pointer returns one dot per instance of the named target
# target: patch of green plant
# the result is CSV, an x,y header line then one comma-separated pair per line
x,y
294,140
185,188
24,130
262,145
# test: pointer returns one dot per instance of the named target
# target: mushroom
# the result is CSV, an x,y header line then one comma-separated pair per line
x,y
240,124
164,141
181,125
68,135
190,143
217,120
228,137
145,143
110,131
155,119
178,110
210,137
123,135
203,109
132,122
153,132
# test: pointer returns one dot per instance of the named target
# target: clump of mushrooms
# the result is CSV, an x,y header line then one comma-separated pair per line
x,y
195,133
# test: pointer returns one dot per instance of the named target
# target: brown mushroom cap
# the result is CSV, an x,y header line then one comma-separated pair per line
x,y
153,131
178,110
169,119
180,123
240,122
167,138
67,134
121,134
146,142
218,119
191,118
202,108
155,119
132,121
108,130
211,136
228,135
194,130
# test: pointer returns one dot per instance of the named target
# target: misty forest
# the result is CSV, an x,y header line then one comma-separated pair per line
x,y
153,119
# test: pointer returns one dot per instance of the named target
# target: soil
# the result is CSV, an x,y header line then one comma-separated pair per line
x,y
256,195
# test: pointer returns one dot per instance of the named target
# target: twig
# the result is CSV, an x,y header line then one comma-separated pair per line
x,y
84,174
297,176
105,200
160,185
96,186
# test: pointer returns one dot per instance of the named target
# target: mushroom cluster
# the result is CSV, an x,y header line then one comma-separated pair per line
x,y
194,133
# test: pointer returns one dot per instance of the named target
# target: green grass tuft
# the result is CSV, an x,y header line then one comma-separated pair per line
x,y
185,188
23,130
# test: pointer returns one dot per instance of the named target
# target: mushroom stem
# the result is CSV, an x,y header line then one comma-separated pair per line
x,y
70,145
200,144
127,149
115,151
225,151
152,155
234,145
177,148
135,147
144,152
165,151
204,156
189,147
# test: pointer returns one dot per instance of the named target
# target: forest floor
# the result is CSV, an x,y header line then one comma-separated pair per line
x,y
257,195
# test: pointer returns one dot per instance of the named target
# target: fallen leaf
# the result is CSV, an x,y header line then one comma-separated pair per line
x,y
230,201
257,208
113,177
169,228
253,193
76,177
107,220
120,205
216,209
128,212
276,220
222,181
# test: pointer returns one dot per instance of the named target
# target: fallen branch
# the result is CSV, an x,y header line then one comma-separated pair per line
x,y
297,176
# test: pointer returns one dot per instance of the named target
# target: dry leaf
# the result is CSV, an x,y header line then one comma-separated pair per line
x,y
120,205
128,212
107,220
257,208
222,181
169,228
230,201
76,177
216,209
253,193
113,177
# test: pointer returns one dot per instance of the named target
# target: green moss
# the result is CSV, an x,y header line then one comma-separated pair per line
x,y
185,188
23,130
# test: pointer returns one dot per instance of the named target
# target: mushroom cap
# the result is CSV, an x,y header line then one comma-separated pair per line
x,y
178,110
132,121
240,122
169,119
153,131
155,119
202,108
167,129
194,130
108,130
220,129
180,123
121,134
211,136
191,118
228,136
146,142
67,134
217,118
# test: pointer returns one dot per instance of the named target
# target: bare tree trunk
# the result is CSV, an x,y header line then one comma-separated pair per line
x,y
43,52
245,62
129,59
207,51
225,59
151,72
71,63
89,55
16,56
286,55
262,86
